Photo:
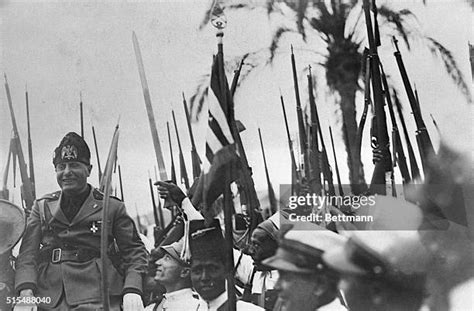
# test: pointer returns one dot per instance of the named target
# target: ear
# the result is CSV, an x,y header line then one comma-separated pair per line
x,y
185,272
89,169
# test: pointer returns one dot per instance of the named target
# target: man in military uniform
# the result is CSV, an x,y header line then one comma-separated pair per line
x,y
305,282
59,259
175,275
208,267
381,270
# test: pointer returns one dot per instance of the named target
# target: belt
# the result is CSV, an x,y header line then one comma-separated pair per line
x,y
58,255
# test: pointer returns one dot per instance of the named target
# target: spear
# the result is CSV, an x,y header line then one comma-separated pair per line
x,y
149,109
295,178
82,115
338,176
182,164
30,145
271,193
97,153
173,168
196,161
111,158
27,188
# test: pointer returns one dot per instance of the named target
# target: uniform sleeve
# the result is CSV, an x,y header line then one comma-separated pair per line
x,y
26,265
189,210
244,270
132,250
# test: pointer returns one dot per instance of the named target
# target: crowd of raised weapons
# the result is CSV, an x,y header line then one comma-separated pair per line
x,y
432,186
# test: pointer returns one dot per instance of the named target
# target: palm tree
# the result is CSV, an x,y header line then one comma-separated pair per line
x,y
340,25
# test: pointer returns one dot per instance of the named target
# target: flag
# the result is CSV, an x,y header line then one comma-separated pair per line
x,y
221,162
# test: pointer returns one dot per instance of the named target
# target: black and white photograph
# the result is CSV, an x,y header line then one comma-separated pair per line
x,y
212,155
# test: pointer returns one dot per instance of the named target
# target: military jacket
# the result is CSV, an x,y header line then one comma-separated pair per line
x,y
48,230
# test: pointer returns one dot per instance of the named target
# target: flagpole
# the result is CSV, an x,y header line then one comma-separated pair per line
x,y
218,21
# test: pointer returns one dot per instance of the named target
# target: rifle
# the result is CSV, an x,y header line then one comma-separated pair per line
x,y
314,167
341,192
4,192
415,172
30,146
182,164
97,154
196,161
383,168
299,113
173,168
367,101
423,139
27,188
399,154
295,178
271,193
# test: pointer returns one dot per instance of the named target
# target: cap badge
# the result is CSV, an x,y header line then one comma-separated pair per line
x,y
69,152
201,232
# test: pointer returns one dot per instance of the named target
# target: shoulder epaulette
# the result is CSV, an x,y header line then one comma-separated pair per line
x,y
51,196
98,195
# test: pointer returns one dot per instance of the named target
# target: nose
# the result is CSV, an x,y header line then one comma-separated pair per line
x,y
67,169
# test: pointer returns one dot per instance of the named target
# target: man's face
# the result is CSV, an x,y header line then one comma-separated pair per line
x,y
296,291
168,270
262,245
72,176
208,277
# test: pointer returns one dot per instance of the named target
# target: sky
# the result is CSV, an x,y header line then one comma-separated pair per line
x,y
59,50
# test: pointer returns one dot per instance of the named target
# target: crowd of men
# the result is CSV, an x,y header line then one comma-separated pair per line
x,y
292,267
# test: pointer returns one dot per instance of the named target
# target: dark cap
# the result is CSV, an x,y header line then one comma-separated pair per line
x,y
72,148
301,251
206,242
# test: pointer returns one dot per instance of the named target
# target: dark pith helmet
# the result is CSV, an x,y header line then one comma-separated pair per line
x,y
72,148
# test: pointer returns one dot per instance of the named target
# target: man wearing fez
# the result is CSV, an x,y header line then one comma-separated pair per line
x,y
175,275
381,270
59,259
305,282
208,267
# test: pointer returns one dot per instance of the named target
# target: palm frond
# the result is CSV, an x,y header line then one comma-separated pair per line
x,y
399,20
276,40
451,66
200,95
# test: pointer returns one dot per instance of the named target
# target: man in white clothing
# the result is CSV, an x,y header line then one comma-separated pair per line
x,y
174,274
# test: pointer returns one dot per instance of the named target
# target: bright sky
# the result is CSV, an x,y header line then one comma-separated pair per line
x,y
59,49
